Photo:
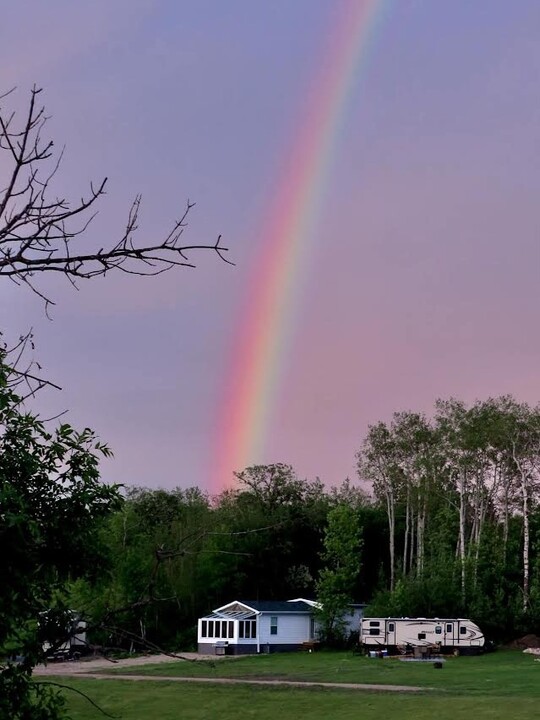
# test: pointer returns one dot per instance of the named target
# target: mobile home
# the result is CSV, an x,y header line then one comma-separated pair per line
x,y
450,634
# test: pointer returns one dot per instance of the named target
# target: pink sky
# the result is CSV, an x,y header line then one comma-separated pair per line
x,y
423,277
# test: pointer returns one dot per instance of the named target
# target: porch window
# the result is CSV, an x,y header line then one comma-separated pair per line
x,y
246,629
231,629
210,629
203,629
273,625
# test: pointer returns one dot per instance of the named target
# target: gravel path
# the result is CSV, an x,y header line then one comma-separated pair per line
x,y
238,681
71,667
87,669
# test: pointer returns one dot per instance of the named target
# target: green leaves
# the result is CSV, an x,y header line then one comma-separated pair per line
x,y
51,500
341,557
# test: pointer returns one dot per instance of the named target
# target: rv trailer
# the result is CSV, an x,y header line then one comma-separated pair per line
x,y
449,634
68,641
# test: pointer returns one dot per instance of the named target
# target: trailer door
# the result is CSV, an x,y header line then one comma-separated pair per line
x,y
391,632
450,633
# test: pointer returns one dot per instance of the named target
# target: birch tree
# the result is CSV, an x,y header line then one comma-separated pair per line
x,y
377,463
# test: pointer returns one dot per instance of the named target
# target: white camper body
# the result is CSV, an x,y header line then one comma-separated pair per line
x,y
449,633
75,643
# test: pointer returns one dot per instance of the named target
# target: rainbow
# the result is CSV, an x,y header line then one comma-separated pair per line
x,y
268,322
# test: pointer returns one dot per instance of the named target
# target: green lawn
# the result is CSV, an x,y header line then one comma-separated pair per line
x,y
146,700
503,672
500,686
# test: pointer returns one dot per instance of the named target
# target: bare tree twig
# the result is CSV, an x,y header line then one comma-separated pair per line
x,y
40,233
78,692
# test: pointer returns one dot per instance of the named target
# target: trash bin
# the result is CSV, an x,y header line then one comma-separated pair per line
x,y
220,648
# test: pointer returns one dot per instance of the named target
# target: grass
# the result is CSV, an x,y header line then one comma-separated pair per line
x,y
142,700
498,686
506,672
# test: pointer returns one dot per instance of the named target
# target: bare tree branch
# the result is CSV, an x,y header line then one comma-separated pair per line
x,y
42,233
94,704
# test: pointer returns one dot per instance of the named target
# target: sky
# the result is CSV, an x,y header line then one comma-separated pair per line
x,y
419,278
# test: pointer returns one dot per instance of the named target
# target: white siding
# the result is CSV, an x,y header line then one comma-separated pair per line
x,y
291,629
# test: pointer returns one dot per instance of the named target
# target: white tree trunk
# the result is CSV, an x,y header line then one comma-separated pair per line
x,y
526,542
390,506
462,528
407,526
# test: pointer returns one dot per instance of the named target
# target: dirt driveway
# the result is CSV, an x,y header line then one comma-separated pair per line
x,y
87,669
71,667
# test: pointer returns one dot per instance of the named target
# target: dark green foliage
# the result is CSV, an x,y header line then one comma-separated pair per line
x,y
50,501
337,579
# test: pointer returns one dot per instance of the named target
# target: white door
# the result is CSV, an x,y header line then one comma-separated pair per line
x,y
390,632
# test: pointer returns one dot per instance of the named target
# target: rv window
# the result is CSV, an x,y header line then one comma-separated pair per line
x,y
203,629
374,631
391,627
421,636
463,630
438,630
374,623
449,628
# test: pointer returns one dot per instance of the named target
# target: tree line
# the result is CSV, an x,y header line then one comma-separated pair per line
x,y
444,521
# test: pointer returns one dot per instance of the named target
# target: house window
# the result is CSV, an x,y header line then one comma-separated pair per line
x,y
449,628
203,629
438,630
391,627
463,630
273,625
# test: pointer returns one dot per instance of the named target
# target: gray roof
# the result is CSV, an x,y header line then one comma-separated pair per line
x,y
278,606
